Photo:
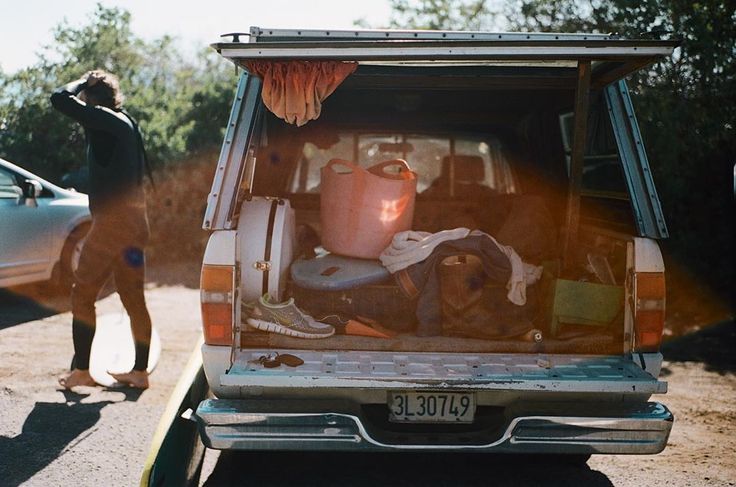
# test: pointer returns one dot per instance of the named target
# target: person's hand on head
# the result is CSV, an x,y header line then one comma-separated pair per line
x,y
85,77
94,76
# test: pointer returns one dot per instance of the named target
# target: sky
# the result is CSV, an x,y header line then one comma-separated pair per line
x,y
26,25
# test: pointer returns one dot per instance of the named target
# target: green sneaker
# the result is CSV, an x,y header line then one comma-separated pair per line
x,y
285,318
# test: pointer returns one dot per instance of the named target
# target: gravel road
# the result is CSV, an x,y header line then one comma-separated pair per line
x,y
95,437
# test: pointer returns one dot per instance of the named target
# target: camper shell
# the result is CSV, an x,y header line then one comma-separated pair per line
x,y
542,117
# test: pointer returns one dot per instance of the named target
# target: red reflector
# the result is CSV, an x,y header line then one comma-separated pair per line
x,y
650,285
649,328
650,307
216,295
217,323
216,278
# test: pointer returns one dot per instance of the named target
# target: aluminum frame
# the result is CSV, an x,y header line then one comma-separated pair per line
x,y
648,215
622,56
268,34
388,51
225,185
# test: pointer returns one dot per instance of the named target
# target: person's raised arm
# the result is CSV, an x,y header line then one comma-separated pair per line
x,y
66,100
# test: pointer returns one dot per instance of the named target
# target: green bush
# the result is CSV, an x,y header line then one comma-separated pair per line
x,y
182,105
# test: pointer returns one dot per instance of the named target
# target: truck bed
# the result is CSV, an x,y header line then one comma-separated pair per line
x,y
593,344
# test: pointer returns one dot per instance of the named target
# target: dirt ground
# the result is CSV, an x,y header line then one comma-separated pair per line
x,y
101,436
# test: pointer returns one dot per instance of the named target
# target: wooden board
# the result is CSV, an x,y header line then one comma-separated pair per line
x,y
113,348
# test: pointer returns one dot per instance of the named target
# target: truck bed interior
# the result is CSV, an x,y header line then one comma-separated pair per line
x,y
510,147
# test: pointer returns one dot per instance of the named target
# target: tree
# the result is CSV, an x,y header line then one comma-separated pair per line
x,y
441,14
685,109
181,106
684,104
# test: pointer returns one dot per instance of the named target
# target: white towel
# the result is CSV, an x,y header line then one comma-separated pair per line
x,y
409,247
522,274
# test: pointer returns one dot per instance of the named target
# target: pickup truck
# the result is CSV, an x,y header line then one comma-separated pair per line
x,y
532,133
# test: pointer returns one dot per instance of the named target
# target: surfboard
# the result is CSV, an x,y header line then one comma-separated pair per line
x,y
113,348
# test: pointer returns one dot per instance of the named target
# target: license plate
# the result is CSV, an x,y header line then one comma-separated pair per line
x,y
431,407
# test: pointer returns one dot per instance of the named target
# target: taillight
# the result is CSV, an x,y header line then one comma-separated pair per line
x,y
216,297
649,296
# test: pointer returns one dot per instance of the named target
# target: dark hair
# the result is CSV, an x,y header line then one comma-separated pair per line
x,y
105,92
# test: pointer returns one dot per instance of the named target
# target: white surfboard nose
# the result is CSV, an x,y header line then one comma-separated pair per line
x,y
113,348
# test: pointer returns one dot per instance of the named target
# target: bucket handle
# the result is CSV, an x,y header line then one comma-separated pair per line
x,y
380,169
343,162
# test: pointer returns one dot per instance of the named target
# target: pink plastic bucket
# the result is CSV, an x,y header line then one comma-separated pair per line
x,y
362,209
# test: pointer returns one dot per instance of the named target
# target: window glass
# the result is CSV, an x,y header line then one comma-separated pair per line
x,y
306,179
424,154
427,155
497,173
602,171
8,185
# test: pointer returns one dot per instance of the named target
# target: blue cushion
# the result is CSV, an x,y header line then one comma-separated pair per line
x,y
335,273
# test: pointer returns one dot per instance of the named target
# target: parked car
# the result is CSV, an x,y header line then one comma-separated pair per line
x,y
529,137
41,228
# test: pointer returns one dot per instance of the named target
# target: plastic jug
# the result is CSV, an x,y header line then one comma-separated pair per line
x,y
361,209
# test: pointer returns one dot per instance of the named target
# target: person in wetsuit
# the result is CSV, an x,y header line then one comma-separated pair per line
x,y
115,244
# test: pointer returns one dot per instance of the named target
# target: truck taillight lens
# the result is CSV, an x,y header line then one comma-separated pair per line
x,y
649,312
216,297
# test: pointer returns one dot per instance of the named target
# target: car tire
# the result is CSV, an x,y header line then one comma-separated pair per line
x,y
63,275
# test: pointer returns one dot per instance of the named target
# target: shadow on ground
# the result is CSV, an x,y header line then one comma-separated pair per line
x,y
27,303
712,345
360,470
31,302
48,432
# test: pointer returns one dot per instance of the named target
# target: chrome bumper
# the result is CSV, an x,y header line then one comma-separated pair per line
x,y
227,424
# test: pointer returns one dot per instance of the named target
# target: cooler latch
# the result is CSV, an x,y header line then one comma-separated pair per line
x,y
262,265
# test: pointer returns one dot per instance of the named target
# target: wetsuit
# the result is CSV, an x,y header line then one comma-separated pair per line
x,y
115,243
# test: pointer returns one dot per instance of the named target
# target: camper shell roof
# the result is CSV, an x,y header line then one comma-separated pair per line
x,y
611,57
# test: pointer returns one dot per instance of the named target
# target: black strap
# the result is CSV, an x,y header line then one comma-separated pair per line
x,y
269,238
142,147
643,363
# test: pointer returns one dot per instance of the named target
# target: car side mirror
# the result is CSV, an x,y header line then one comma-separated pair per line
x,y
31,190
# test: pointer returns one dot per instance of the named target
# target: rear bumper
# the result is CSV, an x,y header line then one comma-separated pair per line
x,y
231,424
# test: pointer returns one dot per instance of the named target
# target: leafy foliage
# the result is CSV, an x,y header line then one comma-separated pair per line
x,y
684,104
685,109
182,107
441,14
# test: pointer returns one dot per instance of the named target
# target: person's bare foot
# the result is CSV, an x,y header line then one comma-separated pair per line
x,y
134,378
77,377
